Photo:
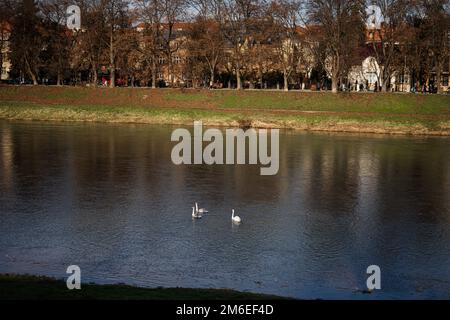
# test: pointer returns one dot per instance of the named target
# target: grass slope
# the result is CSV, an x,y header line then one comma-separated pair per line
x,y
320,111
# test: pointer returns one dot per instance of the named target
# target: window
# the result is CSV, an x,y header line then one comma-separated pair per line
x,y
176,60
371,78
444,81
403,78
161,60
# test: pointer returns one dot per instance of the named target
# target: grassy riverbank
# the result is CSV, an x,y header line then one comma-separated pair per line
x,y
28,287
315,111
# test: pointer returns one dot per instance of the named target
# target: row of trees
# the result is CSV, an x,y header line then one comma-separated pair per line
x,y
244,39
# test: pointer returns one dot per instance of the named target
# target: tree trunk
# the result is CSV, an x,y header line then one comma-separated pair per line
x,y
212,78
260,74
153,73
438,76
286,82
59,72
58,78
94,76
1,54
169,68
238,77
334,84
30,72
33,77
384,80
384,86
112,65
112,78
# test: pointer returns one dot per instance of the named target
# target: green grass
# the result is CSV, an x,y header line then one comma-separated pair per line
x,y
343,102
183,96
27,287
32,111
322,111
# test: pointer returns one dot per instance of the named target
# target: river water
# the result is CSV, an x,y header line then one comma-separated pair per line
x,y
108,198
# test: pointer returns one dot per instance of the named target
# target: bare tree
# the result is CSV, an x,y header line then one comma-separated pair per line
x,y
25,40
90,41
207,44
387,37
237,19
340,26
56,36
117,21
285,36
426,48
437,30
262,57
206,41
129,60
174,11
259,55
151,15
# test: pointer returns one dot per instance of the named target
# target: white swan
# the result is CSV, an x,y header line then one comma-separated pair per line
x,y
235,218
195,215
201,210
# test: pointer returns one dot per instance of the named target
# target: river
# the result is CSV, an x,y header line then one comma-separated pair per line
x,y
108,198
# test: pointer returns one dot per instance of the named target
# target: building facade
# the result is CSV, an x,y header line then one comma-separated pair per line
x,y
5,31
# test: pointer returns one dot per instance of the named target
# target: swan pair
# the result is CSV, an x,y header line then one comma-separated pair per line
x,y
198,213
201,210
